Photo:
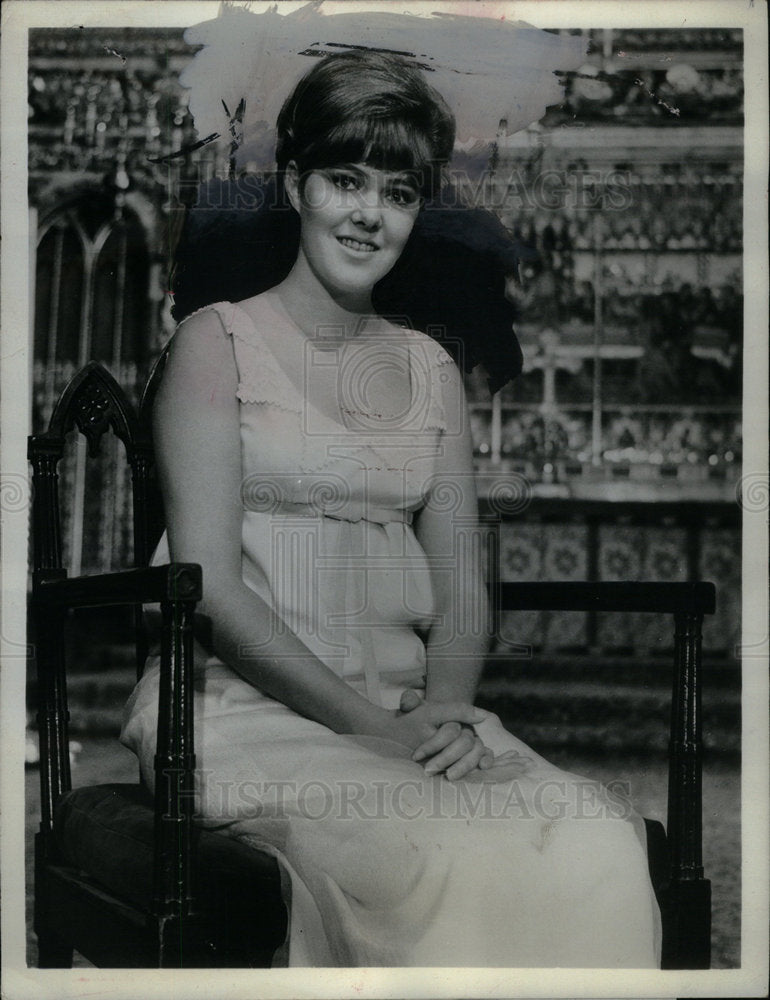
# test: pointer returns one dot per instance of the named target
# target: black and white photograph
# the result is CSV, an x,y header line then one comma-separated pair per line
x,y
384,499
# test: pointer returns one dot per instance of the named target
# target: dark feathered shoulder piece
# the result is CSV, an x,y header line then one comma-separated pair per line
x,y
241,238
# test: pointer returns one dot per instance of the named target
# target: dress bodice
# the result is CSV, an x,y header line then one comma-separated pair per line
x,y
328,501
293,451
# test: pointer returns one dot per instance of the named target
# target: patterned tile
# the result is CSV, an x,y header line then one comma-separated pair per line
x,y
521,558
620,558
535,551
664,558
566,558
720,562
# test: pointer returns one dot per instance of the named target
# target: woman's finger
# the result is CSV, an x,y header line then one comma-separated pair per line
x,y
487,759
452,752
446,734
474,758
410,700
454,711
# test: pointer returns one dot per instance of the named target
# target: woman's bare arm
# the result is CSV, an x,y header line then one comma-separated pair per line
x,y
449,532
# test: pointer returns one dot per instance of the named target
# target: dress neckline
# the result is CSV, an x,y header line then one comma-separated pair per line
x,y
286,383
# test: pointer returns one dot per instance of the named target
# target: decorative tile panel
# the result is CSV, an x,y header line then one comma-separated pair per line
x,y
620,558
720,562
665,559
521,558
566,558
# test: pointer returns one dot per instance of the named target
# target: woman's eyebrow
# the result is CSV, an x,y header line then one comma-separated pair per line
x,y
402,177
391,176
356,168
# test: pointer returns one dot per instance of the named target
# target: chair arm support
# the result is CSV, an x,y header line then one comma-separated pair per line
x,y
174,889
172,582
175,584
670,598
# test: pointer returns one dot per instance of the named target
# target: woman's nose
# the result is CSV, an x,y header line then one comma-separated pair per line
x,y
368,210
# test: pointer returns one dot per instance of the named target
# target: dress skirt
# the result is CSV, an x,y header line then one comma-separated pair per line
x,y
385,866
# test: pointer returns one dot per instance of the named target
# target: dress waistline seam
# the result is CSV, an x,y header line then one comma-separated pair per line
x,y
351,511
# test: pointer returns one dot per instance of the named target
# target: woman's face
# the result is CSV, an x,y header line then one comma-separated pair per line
x,y
355,223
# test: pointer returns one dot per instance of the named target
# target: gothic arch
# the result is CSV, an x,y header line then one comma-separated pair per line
x,y
94,301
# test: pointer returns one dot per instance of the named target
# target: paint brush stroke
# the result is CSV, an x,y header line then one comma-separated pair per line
x,y
259,57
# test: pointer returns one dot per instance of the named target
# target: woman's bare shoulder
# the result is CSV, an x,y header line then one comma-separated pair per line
x,y
200,354
204,332
209,319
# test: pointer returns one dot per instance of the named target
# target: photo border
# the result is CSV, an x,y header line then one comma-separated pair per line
x,y
751,978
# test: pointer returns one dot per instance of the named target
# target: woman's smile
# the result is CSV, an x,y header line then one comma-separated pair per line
x,y
357,245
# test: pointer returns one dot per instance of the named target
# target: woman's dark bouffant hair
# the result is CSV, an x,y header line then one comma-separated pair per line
x,y
366,107
362,107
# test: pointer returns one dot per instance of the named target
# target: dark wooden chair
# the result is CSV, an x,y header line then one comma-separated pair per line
x,y
124,879
128,880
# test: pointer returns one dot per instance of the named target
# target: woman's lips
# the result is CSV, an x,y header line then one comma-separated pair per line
x,y
358,245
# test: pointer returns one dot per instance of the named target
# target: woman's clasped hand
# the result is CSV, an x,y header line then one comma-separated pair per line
x,y
447,741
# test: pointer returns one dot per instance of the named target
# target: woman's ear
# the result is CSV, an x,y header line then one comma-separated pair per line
x,y
291,184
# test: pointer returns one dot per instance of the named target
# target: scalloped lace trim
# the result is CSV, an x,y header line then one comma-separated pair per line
x,y
266,394
436,419
262,382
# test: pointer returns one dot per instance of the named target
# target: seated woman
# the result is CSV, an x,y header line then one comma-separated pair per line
x,y
316,460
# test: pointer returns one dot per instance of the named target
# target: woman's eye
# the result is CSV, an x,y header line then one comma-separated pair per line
x,y
345,182
405,197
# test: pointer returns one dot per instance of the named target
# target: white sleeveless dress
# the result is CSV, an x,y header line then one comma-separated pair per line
x,y
520,865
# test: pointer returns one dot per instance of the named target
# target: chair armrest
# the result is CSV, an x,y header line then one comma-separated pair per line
x,y
156,584
670,598
685,901
176,587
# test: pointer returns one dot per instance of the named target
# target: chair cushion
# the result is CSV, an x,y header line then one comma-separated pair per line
x,y
107,832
